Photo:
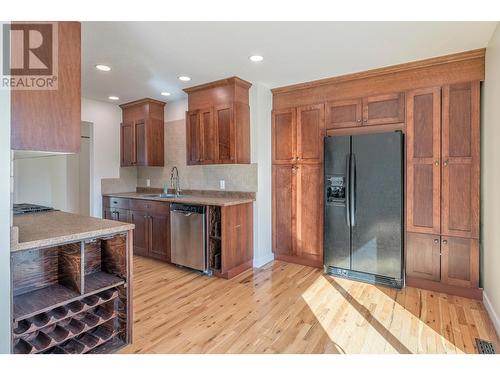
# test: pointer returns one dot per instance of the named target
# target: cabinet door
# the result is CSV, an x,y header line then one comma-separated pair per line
x,y
343,113
141,232
310,132
284,139
224,124
284,194
193,138
423,259
140,143
209,136
159,236
383,109
49,120
309,213
460,261
423,167
460,145
128,150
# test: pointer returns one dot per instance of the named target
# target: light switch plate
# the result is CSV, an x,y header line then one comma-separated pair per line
x,y
222,184
148,182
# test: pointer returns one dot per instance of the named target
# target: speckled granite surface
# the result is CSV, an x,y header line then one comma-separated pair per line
x,y
51,228
209,199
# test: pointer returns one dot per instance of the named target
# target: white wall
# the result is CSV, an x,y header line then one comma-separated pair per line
x,y
5,214
491,180
105,162
176,110
260,120
42,180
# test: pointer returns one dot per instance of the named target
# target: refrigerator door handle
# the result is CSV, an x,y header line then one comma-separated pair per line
x,y
352,190
347,190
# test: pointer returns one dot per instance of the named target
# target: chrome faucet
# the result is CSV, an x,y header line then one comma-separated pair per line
x,y
174,180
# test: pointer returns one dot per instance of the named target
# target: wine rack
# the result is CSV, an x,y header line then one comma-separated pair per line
x,y
214,238
72,298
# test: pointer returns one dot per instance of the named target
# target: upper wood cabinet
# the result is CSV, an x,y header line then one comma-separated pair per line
x,y
218,123
142,133
297,135
344,113
423,161
460,149
49,120
371,110
384,109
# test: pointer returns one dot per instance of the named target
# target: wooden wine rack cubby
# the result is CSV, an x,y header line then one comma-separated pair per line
x,y
214,238
72,298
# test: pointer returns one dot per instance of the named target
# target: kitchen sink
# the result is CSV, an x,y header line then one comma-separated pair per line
x,y
163,195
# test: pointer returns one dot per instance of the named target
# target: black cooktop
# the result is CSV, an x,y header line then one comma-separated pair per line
x,y
28,208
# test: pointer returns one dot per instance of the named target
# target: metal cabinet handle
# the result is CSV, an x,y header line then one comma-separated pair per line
x,y
436,241
445,163
445,242
436,163
358,121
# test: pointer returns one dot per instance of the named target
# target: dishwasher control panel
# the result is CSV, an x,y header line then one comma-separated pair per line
x,y
194,208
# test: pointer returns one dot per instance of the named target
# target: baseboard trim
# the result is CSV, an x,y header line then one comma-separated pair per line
x,y
262,261
491,312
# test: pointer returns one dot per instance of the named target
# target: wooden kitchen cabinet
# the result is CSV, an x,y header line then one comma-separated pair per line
x,y
383,109
141,232
284,203
194,138
442,195
142,133
344,113
218,123
49,120
460,261
371,110
461,160
159,235
310,133
284,139
298,135
423,161
298,213
423,256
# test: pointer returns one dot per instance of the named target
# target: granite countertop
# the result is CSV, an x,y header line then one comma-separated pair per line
x,y
51,228
205,200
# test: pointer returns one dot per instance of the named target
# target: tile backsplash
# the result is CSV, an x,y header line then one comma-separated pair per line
x,y
237,177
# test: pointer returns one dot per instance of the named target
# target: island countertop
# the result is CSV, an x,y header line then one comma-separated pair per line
x,y
44,229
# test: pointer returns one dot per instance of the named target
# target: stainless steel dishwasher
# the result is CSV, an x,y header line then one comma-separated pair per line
x,y
188,239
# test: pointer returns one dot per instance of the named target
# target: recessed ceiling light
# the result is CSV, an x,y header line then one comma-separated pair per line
x,y
164,93
113,97
104,68
256,58
184,78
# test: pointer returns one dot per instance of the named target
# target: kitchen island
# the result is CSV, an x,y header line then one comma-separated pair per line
x,y
71,284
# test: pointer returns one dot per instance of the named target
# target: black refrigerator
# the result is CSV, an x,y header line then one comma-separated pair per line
x,y
363,232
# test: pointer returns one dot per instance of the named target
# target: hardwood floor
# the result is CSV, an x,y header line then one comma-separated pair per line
x,y
288,308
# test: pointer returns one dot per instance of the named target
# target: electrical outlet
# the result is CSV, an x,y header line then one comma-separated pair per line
x,y
222,184
148,182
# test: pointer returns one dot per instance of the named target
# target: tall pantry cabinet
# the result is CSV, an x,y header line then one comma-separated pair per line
x,y
443,161
297,175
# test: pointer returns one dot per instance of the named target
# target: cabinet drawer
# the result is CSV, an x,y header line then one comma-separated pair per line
x,y
116,202
150,206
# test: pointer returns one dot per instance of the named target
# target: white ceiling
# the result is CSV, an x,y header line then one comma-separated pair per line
x,y
147,57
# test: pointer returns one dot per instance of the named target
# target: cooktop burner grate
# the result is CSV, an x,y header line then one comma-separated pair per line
x,y
28,208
